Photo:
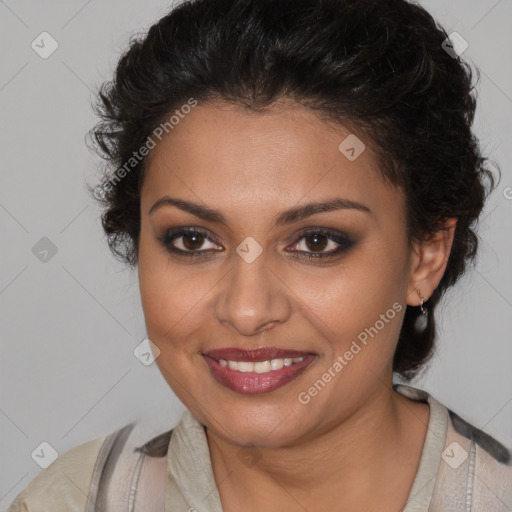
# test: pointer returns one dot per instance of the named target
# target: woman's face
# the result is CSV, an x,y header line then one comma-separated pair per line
x,y
247,282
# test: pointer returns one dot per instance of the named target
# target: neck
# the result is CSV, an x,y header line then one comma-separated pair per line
x,y
351,459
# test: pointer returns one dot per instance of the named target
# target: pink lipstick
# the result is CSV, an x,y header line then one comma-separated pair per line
x,y
256,371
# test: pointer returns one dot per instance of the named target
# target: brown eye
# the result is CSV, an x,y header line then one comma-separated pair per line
x,y
193,241
316,242
188,242
321,244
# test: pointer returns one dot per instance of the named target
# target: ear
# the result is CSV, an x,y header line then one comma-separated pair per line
x,y
428,262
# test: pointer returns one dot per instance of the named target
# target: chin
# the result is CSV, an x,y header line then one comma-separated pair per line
x,y
274,431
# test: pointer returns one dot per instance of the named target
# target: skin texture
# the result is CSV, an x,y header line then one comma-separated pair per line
x,y
356,445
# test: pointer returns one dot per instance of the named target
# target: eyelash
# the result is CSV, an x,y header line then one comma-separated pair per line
x,y
342,240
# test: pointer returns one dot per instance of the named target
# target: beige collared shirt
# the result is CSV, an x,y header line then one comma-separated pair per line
x,y
461,469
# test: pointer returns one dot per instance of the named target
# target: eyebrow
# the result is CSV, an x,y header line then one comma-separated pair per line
x,y
285,217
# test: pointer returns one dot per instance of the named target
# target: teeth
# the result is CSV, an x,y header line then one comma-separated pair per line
x,y
260,366
276,364
244,366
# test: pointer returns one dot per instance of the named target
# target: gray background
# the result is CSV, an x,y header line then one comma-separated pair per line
x,y
69,325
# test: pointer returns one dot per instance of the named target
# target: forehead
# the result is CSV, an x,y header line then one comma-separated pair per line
x,y
226,157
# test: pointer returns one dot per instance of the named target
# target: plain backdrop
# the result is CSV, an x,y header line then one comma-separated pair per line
x,y
69,325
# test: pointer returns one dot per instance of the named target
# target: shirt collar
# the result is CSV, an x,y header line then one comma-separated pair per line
x,y
189,463
422,488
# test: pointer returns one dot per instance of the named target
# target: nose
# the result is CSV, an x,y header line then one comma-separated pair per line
x,y
252,298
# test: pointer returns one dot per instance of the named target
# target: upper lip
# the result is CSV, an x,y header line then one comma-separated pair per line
x,y
255,355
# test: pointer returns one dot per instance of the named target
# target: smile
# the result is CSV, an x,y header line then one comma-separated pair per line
x,y
256,371
269,365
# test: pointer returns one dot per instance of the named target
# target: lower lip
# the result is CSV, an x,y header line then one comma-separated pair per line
x,y
252,382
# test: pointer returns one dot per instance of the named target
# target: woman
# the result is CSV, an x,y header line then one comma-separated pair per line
x,y
297,184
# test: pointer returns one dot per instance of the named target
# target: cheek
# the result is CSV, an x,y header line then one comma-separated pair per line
x,y
346,303
370,279
162,300
168,304
175,300
171,321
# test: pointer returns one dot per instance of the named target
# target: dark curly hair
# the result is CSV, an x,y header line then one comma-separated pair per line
x,y
376,66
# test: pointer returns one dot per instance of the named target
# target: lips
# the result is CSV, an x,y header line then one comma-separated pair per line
x,y
256,371
256,355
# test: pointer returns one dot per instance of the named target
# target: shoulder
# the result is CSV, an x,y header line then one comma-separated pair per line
x,y
64,485
489,463
491,449
472,469
475,470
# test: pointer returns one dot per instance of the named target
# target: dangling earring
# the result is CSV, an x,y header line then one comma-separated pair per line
x,y
422,307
